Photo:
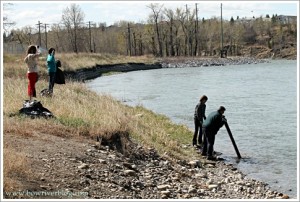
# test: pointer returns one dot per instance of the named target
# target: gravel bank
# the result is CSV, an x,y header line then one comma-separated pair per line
x,y
205,62
84,169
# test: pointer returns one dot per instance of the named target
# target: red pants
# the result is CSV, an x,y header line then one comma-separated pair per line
x,y
32,76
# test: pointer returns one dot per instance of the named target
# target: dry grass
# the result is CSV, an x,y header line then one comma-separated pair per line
x,y
76,61
16,169
15,66
80,112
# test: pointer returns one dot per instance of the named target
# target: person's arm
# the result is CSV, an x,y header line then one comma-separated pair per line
x,y
50,58
204,108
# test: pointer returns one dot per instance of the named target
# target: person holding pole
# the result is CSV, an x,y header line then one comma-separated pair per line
x,y
211,126
199,115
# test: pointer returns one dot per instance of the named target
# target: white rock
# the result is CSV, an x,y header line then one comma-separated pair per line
x,y
163,187
166,192
102,161
130,172
212,186
83,166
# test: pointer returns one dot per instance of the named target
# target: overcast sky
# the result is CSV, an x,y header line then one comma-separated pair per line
x,y
26,13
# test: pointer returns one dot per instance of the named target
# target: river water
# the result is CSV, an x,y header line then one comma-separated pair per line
x,y
261,109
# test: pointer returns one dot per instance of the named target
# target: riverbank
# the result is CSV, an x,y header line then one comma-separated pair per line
x,y
178,62
142,155
72,168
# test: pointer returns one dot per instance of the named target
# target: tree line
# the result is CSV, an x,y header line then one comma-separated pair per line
x,y
167,32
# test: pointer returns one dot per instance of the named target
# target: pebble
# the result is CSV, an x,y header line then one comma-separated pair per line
x,y
83,166
130,172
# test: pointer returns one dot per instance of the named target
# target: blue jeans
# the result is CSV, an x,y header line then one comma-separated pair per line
x,y
51,81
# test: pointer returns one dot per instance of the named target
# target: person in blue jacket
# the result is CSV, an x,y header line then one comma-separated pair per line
x,y
211,126
51,65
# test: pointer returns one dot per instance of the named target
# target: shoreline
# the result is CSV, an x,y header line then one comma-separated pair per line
x,y
79,164
240,183
89,73
101,171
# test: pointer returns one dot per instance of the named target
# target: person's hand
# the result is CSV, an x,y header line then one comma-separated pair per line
x,y
224,119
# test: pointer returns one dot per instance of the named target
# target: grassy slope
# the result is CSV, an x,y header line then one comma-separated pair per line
x,y
80,112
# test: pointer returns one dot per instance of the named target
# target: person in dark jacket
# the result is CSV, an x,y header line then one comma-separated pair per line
x,y
211,126
199,115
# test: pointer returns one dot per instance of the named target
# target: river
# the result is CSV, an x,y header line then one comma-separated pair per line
x,y
261,109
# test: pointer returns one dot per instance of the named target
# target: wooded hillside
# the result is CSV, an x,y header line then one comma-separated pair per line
x,y
167,32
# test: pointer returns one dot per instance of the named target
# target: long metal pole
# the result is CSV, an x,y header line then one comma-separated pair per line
x,y
232,140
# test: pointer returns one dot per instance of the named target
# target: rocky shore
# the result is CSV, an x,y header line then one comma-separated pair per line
x,y
205,62
84,169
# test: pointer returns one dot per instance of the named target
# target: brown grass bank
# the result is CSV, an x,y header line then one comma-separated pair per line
x,y
79,113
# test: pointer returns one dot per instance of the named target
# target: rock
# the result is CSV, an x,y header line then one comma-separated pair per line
x,y
130,172
285,196
195,163
240,183
213,186
192,190
166,192
102,161
83,166
163,187
208,182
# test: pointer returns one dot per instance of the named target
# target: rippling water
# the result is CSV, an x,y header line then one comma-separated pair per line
x,y
261,103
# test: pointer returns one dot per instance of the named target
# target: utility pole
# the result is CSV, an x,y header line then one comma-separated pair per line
x,y
90,33
129,41
40,39
46,44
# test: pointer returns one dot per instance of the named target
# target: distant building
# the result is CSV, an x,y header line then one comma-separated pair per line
x,y
285,19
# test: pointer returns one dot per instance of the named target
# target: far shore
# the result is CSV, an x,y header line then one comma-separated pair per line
x,y
88,73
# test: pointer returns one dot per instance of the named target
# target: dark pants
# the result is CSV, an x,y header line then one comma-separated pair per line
x,y
198,128
51,81
209,141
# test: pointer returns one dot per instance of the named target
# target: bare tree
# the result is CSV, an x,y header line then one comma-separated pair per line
x,y
6,22
73,18
170,15
156,9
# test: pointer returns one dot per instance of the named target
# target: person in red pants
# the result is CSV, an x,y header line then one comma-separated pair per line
x,y
31,61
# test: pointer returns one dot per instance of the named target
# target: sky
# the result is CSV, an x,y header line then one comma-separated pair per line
x,y
28,13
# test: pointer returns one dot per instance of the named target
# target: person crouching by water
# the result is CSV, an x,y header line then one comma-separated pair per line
x,y
211,126
199,115
51,65
32,73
